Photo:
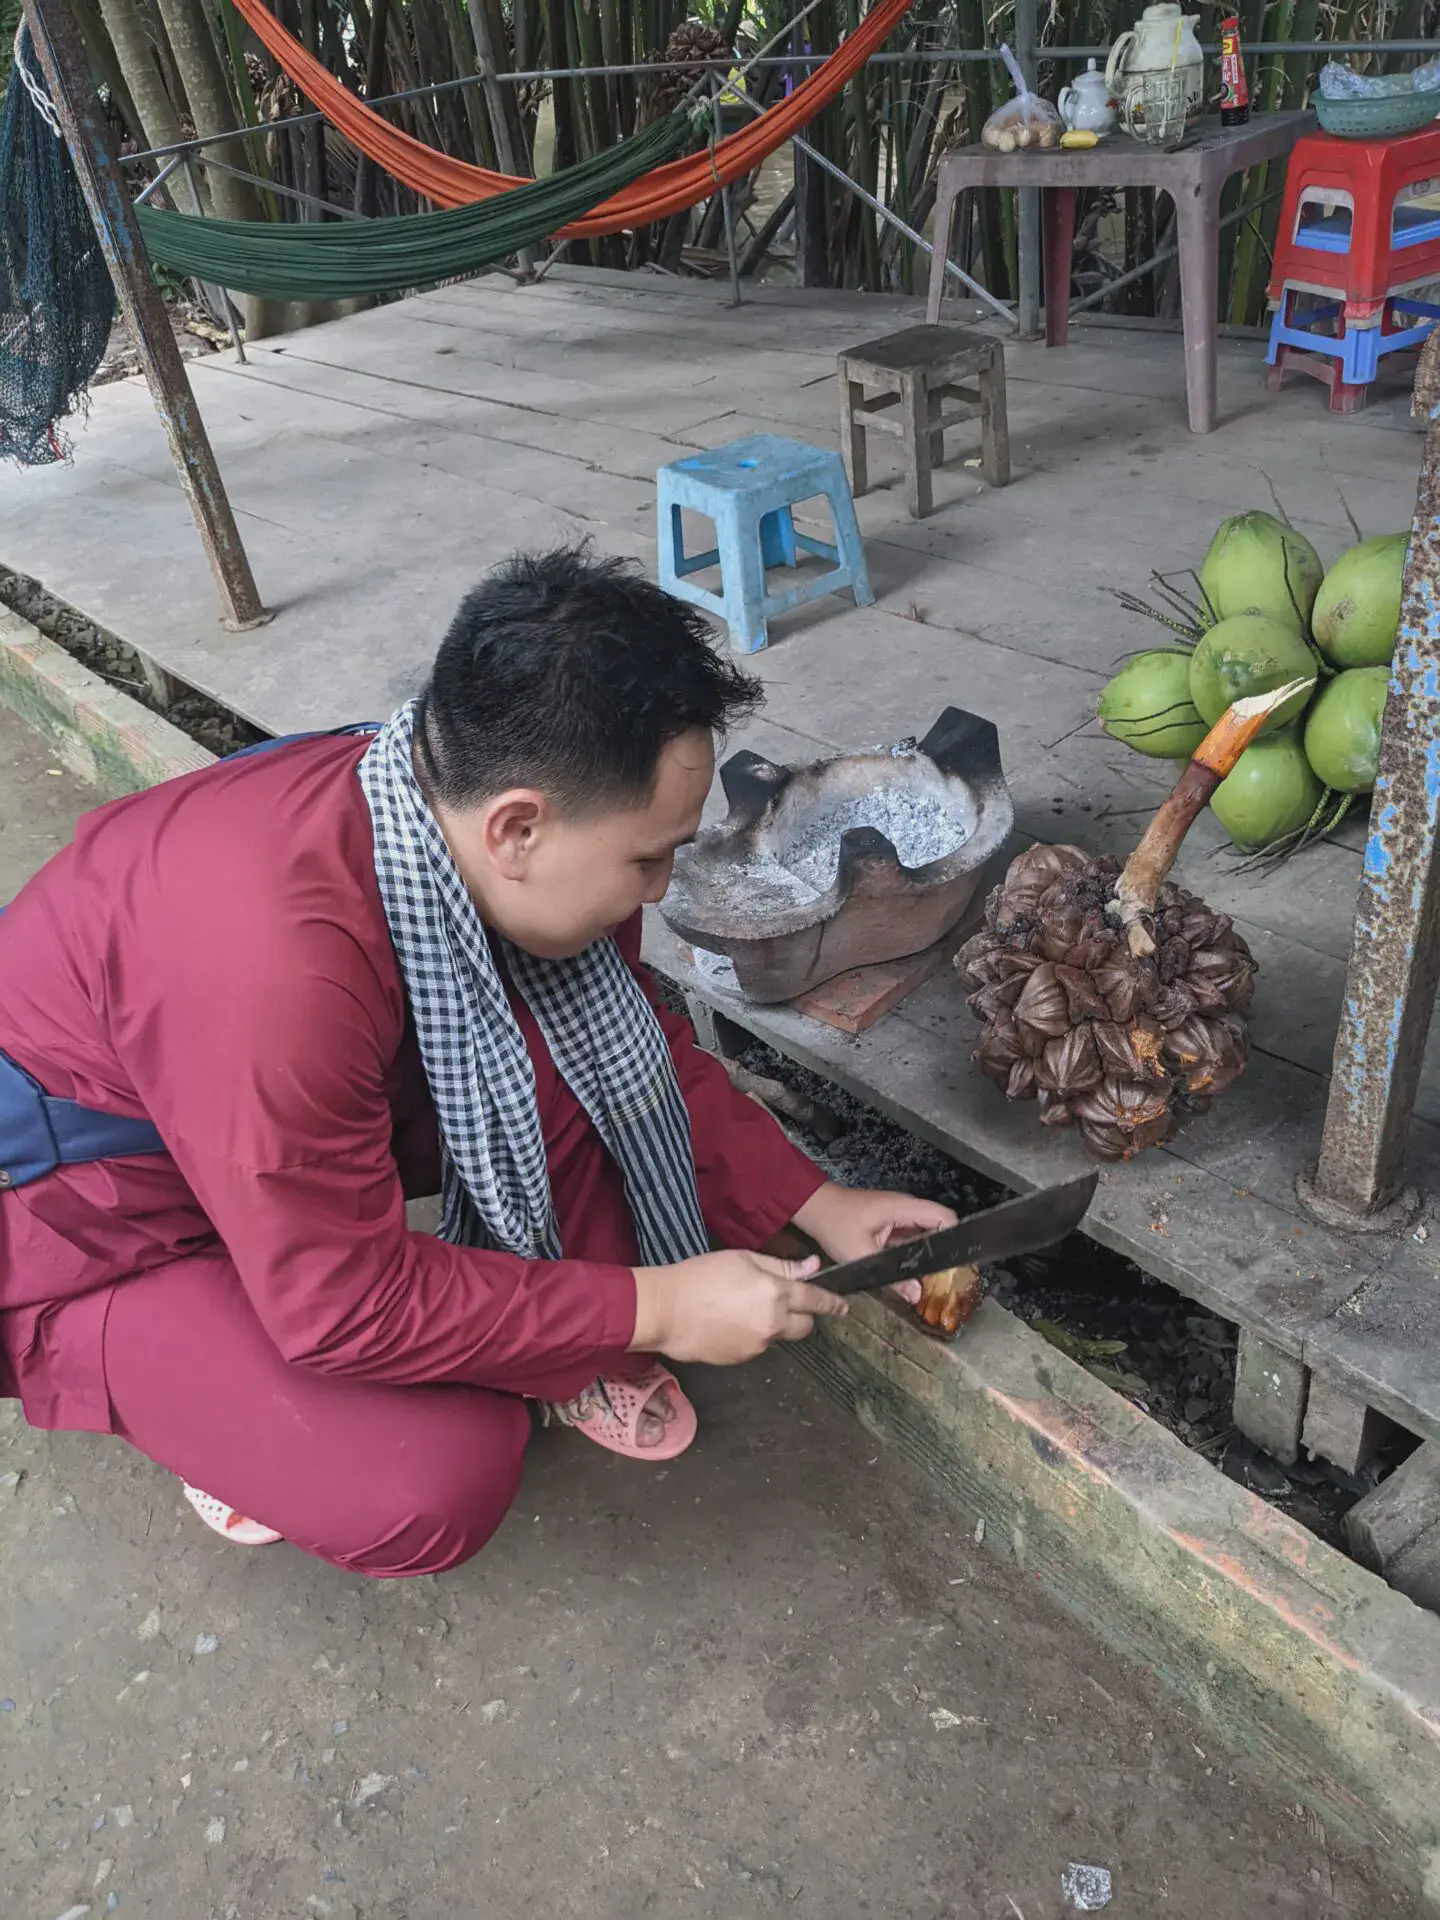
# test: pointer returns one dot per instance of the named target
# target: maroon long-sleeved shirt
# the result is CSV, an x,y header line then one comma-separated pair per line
x,y
213,954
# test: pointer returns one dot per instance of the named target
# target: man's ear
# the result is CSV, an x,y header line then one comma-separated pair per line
x,y
508,831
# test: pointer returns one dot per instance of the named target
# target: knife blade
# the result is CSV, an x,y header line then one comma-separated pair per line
x,y
1025,1225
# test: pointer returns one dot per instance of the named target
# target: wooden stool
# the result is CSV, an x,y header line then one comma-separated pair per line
x,y
919,372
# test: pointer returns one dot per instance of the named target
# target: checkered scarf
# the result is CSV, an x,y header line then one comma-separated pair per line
x,y
601,1031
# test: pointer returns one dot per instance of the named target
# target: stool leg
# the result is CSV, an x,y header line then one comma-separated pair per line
x,y
935,407
915,425
940,240
1348,398
849,545
777,539
995,422
742,575
852,434
1197,223
671,543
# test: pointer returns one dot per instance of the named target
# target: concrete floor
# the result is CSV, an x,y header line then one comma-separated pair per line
x,y
775,1677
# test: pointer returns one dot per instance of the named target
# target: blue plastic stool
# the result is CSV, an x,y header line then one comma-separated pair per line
x,y
748,489
1358,349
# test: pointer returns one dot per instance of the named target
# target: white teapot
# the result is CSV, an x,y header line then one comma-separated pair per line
x,y
1085,105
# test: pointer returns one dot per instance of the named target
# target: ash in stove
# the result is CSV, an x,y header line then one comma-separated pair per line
x,y
919,826
764,881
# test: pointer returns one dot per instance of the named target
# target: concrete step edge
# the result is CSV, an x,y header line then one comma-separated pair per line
x,y
101,734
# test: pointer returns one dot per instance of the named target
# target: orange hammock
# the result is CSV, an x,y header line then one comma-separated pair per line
x,y
668,189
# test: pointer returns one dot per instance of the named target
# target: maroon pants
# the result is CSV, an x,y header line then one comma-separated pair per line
x,y
379,1479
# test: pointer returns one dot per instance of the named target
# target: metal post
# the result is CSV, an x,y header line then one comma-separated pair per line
x,y
1027,235
1395,954
62,56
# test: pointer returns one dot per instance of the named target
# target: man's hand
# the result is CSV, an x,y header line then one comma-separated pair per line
x,y
726,1307
849,1222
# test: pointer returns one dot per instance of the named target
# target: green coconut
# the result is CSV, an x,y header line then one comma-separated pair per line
x,y
1357,610
1148,706
1271,792
1342,729
1250,654
1256,564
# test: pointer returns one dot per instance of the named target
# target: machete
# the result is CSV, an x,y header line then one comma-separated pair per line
x,y
1026,1225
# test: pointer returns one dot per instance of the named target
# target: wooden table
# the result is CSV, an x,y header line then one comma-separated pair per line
x,y
1193,175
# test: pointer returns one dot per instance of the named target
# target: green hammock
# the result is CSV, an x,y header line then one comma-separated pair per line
x,y
340,259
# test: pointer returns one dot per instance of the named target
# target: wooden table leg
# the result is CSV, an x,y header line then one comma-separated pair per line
x,y
940,241
1197,229
995,422
1057,227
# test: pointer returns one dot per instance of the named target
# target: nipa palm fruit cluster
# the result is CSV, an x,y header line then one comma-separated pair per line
x,y
1114,1043
1268,612
689,47
1109,995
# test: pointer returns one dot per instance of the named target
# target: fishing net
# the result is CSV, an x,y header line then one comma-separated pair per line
x,y
57,303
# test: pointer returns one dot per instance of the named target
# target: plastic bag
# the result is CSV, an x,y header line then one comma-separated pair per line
x,y
1339,82
1025,121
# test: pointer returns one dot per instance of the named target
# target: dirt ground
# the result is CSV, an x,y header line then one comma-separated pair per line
x,y
778,1676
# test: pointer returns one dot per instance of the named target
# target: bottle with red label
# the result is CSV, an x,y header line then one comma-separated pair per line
x,y
1234,93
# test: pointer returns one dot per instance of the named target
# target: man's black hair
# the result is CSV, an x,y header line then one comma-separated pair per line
x,y
570,673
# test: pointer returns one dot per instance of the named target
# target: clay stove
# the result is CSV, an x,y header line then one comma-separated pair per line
x,y
864,858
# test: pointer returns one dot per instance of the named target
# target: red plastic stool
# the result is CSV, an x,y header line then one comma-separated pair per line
x,y
1381,250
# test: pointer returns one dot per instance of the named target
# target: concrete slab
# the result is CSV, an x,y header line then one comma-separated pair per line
x,y
1383,1345
1213,1212
1398,1522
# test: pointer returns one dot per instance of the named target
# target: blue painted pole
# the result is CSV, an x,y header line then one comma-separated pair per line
x,y
1395,955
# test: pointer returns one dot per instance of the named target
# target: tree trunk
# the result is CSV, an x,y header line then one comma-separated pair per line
x,y
215,111
104,63
375,87
211,104
159,115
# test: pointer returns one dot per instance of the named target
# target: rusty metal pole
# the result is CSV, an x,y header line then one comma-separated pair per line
x,y
1395,954
66,67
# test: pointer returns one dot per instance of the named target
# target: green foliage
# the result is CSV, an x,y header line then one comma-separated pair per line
x,y
9,21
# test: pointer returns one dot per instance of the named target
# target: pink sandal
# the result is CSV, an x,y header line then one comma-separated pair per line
x,y
227,1522
608,1412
